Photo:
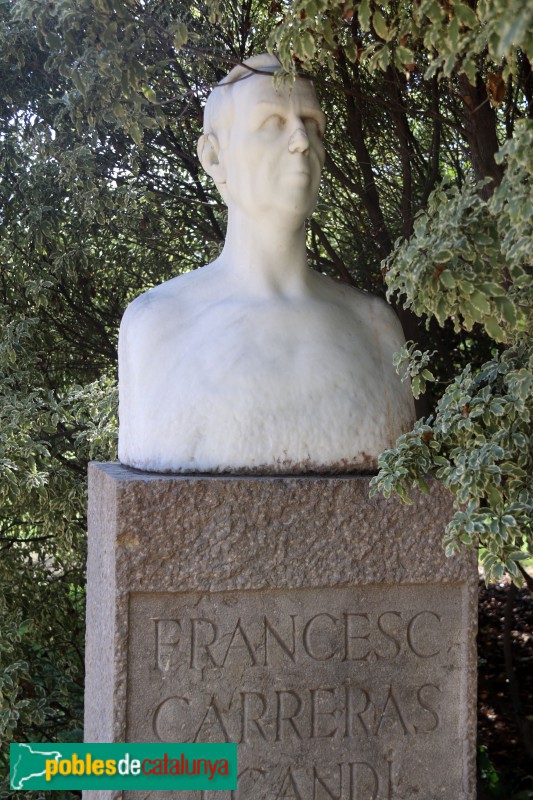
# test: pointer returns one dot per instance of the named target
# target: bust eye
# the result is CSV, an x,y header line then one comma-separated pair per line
x,y
314,125
274,121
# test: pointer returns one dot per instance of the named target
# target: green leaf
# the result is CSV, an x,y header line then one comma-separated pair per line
x,y
519,555
363,13
494,495
149,94
118,110
469,310
506,308
351,50
77,81
494,330
53,41
447,279
136,133
312,8
382,58
380,26
453,33
327,32
433,11
404,55
479,301
308,44
423,485
465,15
491,289
443,255
181,35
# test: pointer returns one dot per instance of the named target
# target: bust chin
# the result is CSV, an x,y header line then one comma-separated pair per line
x,y
256,363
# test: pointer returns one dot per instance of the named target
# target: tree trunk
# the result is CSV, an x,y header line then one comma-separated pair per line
x,y
480,127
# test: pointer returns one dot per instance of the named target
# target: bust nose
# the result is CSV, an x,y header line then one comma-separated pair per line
x,y
299,142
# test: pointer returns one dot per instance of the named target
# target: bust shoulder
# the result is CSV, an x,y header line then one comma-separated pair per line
x,y
388,324
380,324
157,297
369,307
165,304
373,303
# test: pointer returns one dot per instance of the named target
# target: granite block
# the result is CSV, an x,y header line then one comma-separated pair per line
x,y
323,631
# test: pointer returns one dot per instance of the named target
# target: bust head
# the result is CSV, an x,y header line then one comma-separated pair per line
x,y
262,145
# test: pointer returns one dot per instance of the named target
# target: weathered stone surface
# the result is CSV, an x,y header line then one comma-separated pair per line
x,y
323,631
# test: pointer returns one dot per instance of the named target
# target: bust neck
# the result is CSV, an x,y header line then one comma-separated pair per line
x,y
266,257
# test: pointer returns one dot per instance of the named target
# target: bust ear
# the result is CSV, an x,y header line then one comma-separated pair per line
x,y
208,150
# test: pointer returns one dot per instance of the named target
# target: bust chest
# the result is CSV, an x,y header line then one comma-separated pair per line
x,y
282,385
305,347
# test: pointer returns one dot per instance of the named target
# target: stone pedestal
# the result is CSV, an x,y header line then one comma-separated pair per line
x,y
324,632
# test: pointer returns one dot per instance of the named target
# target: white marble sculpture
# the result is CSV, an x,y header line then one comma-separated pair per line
x,y
256,362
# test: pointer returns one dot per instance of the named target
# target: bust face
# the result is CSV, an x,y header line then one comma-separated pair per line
x,y
273,153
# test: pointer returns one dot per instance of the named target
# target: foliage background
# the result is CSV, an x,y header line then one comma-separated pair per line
x,y
426,197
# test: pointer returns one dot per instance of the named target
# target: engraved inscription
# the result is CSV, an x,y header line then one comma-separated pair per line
x,y
332,694
345,712
350,636
356,780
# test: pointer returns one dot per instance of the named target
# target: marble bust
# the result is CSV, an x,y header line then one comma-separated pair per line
x,y
256,362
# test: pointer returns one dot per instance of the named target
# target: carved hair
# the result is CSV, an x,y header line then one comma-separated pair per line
x,y
219,106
